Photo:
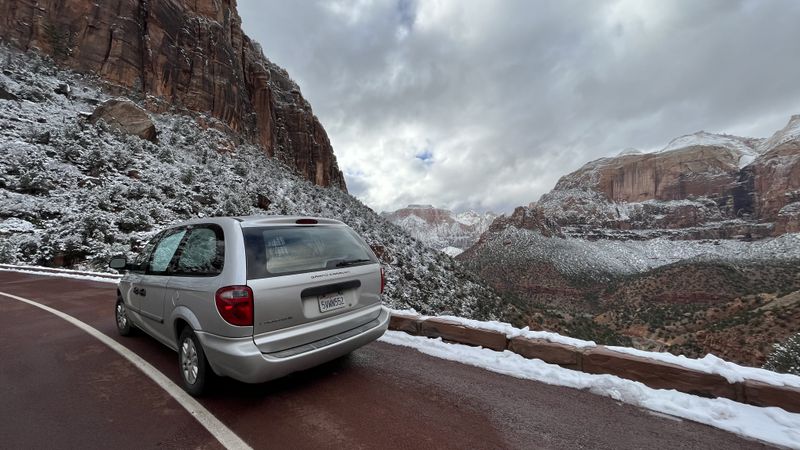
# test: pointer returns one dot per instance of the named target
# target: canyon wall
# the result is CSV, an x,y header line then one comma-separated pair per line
x,y
189,55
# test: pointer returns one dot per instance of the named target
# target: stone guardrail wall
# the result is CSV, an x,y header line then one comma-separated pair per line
x,y
602,360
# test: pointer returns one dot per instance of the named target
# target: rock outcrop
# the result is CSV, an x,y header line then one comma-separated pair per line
x,y
186,55
125,116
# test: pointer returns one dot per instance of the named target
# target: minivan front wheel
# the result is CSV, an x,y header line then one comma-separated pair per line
x,y
192,363
124,325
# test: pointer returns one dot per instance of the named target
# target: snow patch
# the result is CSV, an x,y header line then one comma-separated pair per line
x,y
701,138
630,151
15,225
452,251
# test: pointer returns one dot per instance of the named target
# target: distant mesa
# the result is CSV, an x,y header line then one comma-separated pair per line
x,y
441,229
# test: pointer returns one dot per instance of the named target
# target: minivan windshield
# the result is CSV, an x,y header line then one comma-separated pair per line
x,y
286,250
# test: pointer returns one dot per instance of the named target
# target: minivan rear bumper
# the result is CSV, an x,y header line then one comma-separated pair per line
x,y
239,358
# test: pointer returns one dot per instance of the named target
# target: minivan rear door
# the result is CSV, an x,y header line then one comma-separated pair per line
x,y
320,280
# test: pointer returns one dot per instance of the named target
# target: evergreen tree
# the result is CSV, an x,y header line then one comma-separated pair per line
x,y
785,357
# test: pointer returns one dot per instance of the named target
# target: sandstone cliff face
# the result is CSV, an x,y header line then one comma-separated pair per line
x,y
182,54
776,179
696,170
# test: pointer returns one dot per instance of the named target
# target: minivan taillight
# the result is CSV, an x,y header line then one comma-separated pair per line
x,y
383,280
235,305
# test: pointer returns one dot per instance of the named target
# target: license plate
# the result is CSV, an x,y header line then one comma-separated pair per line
x,y
331,302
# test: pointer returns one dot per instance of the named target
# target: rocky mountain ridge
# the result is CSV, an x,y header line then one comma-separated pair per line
x,y
699,186
190,56
440,228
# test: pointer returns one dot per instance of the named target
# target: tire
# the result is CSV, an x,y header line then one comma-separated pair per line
x,y
124,325
196,374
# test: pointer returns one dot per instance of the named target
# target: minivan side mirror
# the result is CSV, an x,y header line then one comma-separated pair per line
x,y
119,263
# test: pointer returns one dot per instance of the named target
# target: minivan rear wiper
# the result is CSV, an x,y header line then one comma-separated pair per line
x,y
350,262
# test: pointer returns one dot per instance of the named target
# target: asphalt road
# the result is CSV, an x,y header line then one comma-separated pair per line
x,y
62,388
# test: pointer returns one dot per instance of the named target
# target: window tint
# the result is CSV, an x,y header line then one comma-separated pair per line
x,y
203,252
164,251
283,250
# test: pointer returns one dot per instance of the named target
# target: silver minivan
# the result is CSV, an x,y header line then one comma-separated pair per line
x,y
253,298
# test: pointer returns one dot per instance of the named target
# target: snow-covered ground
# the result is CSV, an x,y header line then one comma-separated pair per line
x,y
772,425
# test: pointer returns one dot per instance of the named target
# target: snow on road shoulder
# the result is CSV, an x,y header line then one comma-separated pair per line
x,y
732,372
710,364
63,273
772,425
503,327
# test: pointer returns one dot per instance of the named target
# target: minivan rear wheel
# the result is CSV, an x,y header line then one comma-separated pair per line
x,y
195,372
124,325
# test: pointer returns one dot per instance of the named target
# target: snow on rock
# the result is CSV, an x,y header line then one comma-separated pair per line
x,y
790,132
452,251
772,425
702,138
629,151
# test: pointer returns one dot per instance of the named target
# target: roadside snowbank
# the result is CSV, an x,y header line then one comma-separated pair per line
x,y
772,425
63,273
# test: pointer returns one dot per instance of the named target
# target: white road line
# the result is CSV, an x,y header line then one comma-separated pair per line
x,y
222,433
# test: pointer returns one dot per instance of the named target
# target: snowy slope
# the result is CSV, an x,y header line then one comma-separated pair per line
x,y
75,194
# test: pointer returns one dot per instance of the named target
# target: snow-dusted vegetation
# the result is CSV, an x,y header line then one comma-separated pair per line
x,y
74,194
605,258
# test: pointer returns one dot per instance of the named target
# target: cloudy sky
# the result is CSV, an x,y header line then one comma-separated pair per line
x,y
485,104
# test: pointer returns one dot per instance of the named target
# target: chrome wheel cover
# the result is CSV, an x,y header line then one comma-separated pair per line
x,y
189,366
122,317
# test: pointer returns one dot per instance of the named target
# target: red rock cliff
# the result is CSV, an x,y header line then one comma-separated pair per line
x,y
189,54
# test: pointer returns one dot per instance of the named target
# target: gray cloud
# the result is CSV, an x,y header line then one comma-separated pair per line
x,y
505,97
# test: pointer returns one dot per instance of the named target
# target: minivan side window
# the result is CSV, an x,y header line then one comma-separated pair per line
x,y
141,260
164,251
203,252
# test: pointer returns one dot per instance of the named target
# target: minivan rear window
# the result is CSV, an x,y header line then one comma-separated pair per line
x,y
273,251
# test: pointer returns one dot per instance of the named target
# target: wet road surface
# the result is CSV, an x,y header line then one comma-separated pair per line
x,y
62,388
